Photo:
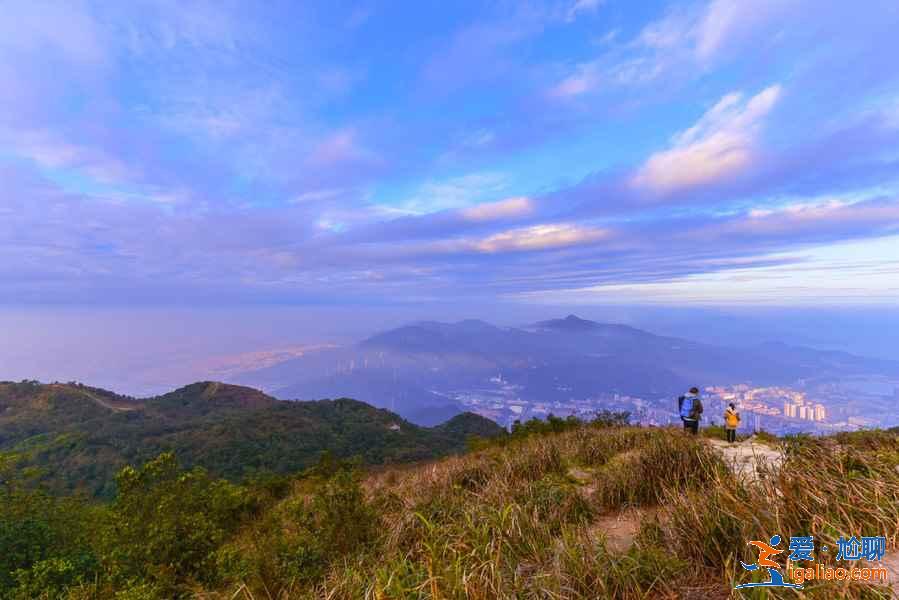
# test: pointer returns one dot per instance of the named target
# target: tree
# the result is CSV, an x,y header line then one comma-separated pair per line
x,y
168,522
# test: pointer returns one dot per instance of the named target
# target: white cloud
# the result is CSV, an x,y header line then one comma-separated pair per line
x,y
52,151
686,40
504,209
665,34
730,22
540,237
318,195
584,79
582,6
824,215
721,144
818,279
455,193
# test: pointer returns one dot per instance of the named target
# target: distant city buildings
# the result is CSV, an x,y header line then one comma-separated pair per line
x,y
768,400
799,408
819,407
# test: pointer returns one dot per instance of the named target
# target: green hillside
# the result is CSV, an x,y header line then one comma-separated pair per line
x,y
560,510
78,437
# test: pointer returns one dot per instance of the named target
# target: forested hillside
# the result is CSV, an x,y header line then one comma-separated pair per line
x,y
78,437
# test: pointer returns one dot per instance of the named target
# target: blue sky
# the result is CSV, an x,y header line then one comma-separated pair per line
x,y
578,152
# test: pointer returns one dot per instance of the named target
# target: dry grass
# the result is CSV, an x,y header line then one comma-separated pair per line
x,y
524,520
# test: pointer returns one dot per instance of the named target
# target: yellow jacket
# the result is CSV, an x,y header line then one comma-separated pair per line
x,y
731,418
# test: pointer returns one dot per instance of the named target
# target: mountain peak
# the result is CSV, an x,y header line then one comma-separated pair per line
x,y
203,396
469,423
569,323
436,336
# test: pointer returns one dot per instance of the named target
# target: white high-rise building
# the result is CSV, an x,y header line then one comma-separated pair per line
x,y
789,410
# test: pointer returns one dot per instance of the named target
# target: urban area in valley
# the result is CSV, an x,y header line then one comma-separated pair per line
x,y
803,407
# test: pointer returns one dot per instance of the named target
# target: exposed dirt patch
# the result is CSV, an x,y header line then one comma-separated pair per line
x,y
619,529
211,390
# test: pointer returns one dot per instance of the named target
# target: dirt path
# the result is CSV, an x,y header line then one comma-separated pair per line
x,y
618,528
105,404
211,390
748,459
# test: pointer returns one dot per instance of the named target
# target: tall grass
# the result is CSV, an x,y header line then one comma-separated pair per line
x,y
518,520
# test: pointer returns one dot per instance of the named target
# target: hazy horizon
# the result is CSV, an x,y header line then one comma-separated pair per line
x,y
151,350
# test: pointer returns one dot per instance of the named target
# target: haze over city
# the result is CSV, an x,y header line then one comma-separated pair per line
x,y
193,188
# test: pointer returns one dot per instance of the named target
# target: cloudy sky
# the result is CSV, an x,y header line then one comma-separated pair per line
x,y
717,152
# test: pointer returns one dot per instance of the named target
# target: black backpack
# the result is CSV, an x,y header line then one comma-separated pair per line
x,y
696,409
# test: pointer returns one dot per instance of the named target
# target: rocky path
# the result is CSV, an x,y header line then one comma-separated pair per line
x,y
749,459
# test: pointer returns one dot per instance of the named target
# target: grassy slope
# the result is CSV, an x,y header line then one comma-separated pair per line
x,y
529,520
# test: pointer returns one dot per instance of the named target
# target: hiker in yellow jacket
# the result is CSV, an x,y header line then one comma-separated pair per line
x,y
731,422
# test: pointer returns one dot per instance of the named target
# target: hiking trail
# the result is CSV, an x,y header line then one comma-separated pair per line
x,y
748,459
101,402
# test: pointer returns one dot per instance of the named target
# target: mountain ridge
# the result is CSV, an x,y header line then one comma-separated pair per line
x,y
233,431
430,364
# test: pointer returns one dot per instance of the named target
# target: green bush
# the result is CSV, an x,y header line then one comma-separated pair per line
x,y
52,577
341,517
611,418
44,540
167,523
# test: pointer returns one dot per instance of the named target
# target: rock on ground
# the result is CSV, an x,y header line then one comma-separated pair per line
x,y
749,459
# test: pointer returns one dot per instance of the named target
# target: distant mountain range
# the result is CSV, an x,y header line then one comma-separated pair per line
x,y
419,370
79,436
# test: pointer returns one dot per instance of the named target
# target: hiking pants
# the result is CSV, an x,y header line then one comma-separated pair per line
x,y
731,435
691,426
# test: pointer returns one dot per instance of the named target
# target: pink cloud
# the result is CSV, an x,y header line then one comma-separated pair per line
x,y
540,237
721,144
509,208
584,79
807,219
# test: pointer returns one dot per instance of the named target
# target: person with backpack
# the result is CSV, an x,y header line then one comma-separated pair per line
x,y
690,408
731,422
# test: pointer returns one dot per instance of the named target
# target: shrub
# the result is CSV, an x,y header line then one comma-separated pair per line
x,y
341,517
52,577
167,523
45,541
611,418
